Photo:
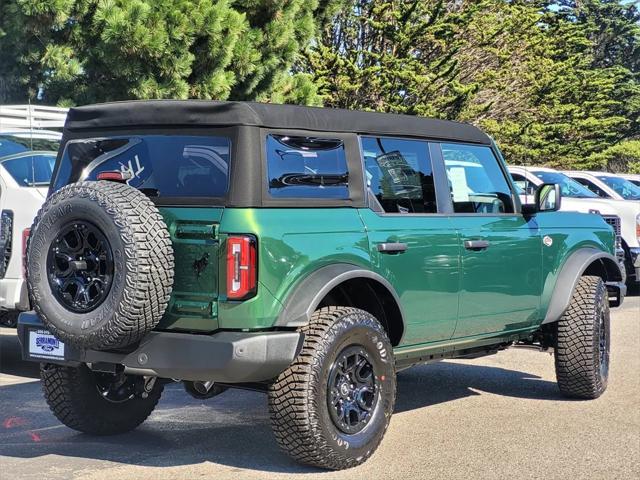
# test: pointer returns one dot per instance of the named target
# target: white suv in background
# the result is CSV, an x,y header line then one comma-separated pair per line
x,y
27,158
623,216
607,185
632,177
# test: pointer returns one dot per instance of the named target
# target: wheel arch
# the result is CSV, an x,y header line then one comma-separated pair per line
x,y
584,261
345,283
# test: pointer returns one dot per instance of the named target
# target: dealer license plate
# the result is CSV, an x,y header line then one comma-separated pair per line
x,y
42,344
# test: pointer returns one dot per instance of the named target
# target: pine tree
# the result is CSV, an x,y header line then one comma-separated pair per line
x,y
81,51
391,55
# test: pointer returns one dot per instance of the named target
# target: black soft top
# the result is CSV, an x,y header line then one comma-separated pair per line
x,y
190,113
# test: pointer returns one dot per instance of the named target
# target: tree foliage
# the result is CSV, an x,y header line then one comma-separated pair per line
x,y
555,82
80,51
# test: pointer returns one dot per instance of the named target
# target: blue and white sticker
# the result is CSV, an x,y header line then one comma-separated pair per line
x,y
42,344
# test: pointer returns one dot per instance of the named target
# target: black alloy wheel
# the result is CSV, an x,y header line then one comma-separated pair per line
x,y
80,266
352,392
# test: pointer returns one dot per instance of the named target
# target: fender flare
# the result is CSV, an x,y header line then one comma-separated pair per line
x,y
307,295
570,274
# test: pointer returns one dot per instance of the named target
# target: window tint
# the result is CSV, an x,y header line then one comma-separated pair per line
x,y
593,187
24,142
307,167
160,165
523,184
31,170
568,186
476,180
399,174
622,187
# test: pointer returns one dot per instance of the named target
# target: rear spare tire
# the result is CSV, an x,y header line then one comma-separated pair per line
x,y
100,265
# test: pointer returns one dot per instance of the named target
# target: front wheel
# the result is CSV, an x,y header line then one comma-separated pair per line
x,y
582,352
98,403
332,406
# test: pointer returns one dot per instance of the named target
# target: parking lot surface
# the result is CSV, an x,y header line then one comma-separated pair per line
x,y
494,417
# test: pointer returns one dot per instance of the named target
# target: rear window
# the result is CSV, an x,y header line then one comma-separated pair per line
x,y
306,167
31,170
160,165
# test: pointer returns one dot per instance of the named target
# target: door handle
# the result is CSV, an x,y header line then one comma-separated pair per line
x,y
476,245
392,248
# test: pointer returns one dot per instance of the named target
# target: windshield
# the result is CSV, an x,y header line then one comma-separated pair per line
x,y
621,186
568,186
31,169
11,144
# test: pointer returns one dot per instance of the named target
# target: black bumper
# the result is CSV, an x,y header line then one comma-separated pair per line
x,y
228,357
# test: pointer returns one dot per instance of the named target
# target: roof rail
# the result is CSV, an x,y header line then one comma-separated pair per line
x,y
31,116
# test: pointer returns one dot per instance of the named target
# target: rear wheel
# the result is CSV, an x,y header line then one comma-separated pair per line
x,y
9,318
332,406
582,353
98,403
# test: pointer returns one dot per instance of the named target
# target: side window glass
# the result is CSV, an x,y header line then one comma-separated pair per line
x,y
307,167
524,184
593,187
31,170
399,174
476,180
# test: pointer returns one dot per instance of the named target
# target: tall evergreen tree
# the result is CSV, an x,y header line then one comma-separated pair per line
x,y
392,55
79,51
535,74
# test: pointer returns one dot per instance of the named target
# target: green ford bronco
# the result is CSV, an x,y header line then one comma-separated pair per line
x,y
307,253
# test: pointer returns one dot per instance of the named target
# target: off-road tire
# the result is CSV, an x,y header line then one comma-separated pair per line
x,y
73,397
143,264
298,404
581,370
9,318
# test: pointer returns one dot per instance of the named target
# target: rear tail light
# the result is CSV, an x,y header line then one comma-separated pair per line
x,y
242,267
114,176
25,240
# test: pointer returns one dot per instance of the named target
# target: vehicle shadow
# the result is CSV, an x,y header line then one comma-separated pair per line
x,y
232,429
445,381
633,290
10,356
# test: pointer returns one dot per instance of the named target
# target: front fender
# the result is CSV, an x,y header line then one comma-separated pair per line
x,y
574,267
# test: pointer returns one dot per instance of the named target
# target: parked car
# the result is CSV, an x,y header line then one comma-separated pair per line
x,y
26,162
607,185
621,215
304,252
633,178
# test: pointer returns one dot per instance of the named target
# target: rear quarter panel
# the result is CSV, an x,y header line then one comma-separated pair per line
x,y
569,232
292,243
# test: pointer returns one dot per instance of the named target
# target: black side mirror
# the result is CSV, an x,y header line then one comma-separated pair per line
x,y
548,198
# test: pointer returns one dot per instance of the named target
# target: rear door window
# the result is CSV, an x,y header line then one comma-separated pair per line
x,y
307,167
399,174
159,165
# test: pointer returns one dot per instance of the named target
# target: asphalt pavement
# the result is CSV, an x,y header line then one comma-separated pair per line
x,y
493,417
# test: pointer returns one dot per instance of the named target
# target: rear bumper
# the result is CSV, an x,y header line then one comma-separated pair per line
x,y
228,357
13,294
